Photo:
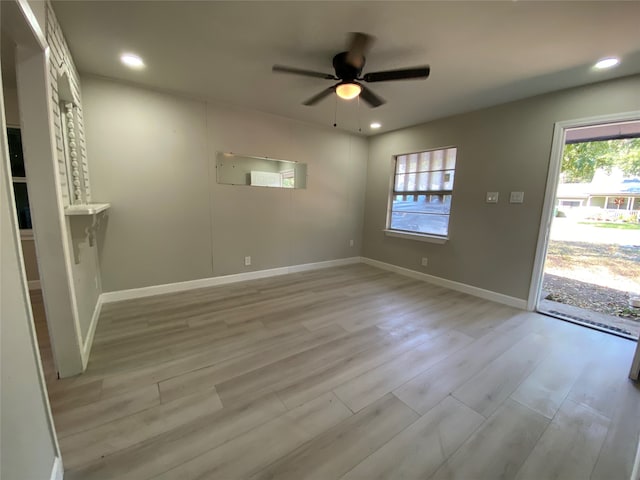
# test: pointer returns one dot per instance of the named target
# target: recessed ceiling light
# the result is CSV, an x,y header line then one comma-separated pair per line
x,y
131,60
607,63
375,125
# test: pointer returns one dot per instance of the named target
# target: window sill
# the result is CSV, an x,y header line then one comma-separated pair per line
x,y
420,237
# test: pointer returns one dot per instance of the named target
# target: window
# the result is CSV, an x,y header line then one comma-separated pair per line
x,y
19,178
288,179
421,192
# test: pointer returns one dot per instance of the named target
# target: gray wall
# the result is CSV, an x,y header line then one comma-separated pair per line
x,y
153,158
504,148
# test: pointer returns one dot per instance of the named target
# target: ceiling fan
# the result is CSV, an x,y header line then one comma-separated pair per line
x,y
348,68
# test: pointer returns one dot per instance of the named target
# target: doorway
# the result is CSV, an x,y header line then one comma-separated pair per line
x,y
22,207
588,260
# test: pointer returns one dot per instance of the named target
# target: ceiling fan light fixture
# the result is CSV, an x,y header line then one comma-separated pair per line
x,y
348,91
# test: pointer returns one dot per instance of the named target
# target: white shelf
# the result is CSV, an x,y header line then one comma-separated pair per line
x,y
88,209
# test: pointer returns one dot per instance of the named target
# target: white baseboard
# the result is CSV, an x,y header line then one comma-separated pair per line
x,y
133,293
443,282
88,341
34,284
120,295
57,472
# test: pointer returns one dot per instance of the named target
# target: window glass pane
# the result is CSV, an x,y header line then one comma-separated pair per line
x,y
22,205
406,182
15,152
431,171
401,164
413,163
437,181
435,204
437,160
442,180
423,180
420,223
450,159
448,179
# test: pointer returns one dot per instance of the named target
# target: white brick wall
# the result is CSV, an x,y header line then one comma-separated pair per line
x,y
60,55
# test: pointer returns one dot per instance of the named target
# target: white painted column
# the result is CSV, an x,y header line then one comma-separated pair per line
x,y
51,235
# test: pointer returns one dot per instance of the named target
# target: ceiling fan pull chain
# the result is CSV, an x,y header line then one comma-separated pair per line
x,y
359,123
335,113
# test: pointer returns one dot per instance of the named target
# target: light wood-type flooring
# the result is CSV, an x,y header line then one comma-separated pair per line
x,y
345,373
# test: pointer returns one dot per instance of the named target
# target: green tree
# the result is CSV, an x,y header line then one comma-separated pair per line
x,y
581,160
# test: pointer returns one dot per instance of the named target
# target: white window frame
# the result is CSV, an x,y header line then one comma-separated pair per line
x,y
412,235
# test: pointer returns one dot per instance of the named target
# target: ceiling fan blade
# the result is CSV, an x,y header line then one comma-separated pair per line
x,y
359,46
414,73
300,71
316,98
371,98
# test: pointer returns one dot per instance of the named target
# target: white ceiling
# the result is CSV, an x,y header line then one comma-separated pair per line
x,y
481,53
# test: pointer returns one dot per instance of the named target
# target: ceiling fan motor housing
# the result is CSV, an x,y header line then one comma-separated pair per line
x,y
344,70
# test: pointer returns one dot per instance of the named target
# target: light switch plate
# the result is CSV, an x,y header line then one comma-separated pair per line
x,y
492,197
516,197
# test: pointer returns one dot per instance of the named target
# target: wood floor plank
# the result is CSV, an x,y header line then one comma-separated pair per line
x,y
368,387
246,380
339,449
248,344
596,386
331,375
266,443
102,411
498,448
430,387
151,458
106,439
549,384
486,391
421,448
569,447
479,324
617,453
296,367
75,396
220,372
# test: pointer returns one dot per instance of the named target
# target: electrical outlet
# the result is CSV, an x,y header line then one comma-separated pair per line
x,y
516,197
425,261
492,197
247,261
351,243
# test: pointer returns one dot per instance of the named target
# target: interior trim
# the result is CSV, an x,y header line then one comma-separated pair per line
x,y
457,286
88,341
133,293
57,472
420,237
119,295
555,160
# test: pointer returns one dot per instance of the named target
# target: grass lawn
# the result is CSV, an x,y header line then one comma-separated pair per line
x,y
621,226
